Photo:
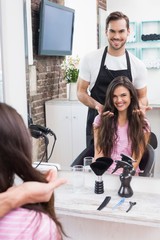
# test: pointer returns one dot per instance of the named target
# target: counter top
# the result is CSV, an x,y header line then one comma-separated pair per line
x,y
62,101
84,204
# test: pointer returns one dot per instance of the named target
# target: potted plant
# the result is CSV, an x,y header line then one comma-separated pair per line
x,y
71,71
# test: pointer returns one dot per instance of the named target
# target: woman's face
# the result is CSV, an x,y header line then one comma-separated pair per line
x,y
121,98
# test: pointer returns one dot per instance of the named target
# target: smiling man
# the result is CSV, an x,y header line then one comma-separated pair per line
x,y
99,68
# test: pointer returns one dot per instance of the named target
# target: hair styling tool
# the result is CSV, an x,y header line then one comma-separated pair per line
x,y
99,167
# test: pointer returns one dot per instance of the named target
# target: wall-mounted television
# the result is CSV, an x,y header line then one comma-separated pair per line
x,y
56,29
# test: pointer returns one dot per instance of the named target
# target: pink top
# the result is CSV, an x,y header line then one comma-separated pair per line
x,y
123,145
24,224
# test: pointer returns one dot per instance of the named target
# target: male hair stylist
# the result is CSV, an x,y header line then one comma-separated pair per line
x,y
99,68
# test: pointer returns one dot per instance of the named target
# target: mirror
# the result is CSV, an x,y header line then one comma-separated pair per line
x,y
153,80
144,13
1,80
125,6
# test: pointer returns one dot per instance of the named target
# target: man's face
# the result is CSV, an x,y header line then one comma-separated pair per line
x,y
117,34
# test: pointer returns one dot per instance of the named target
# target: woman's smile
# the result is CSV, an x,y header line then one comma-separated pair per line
x,y
121,98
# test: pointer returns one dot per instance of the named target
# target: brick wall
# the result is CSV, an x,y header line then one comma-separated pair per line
x,y
49,78
45,79
45,75
100,4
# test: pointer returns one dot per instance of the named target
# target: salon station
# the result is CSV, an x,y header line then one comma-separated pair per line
x,y
83,212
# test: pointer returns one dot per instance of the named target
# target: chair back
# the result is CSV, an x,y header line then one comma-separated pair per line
x,y
153,140
147,162
89,151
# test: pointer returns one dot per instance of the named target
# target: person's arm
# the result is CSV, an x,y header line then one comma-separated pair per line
x,y
29,192
85,98
96,124
143,101
97,152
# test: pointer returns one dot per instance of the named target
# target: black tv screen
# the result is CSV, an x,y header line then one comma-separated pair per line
x,y
56,29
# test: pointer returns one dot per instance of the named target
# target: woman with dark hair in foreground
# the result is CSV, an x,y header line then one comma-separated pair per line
x,y
31,221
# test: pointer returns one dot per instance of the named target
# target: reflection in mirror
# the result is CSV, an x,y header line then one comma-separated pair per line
x,y
152,17
54,108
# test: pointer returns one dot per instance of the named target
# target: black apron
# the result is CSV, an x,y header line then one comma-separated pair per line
x,y
98,91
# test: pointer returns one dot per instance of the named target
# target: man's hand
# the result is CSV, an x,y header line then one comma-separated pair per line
x,y
29,192
143,100
144,109
99,108
108,114
33,192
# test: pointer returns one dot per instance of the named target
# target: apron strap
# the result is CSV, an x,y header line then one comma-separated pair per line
x,y
128,65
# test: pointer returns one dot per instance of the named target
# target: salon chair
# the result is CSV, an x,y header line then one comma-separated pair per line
x,y
153,140
147,162
89,151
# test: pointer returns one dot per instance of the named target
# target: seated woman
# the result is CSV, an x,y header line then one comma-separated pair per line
x,y
32,221
122,127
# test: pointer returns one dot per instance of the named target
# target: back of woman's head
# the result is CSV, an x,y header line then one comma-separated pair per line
x,y
14,136
15,147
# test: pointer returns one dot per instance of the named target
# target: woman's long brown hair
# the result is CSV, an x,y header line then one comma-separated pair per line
x,y
16,158
107,134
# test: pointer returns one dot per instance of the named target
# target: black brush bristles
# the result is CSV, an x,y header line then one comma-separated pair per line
x,y
101,165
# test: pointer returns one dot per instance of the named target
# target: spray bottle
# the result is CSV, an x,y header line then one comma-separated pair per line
x,y
125,189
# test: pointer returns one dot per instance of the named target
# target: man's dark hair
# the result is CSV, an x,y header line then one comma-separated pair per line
x,y
117,16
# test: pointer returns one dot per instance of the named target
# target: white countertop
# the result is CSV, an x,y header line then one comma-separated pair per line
x,y
84,204
62,101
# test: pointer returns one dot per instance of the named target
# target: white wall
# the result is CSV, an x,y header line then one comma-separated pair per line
x,y
13,55
85,28
137,10
1,83
13,52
